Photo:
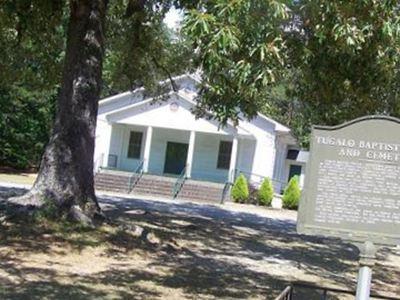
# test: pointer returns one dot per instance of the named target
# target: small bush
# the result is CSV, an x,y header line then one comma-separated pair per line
x,y
266,192
240,190
292,193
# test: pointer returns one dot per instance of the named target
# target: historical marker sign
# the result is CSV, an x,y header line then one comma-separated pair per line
x,y
352,184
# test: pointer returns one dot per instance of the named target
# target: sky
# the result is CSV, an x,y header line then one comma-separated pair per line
x,y
173,17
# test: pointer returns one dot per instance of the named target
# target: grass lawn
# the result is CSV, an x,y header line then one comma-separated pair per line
x,y
190,252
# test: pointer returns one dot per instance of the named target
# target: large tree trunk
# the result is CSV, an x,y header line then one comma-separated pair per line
x,y
65,178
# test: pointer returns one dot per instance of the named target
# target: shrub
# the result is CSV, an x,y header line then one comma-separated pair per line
x,y
292,193
266,192
240,190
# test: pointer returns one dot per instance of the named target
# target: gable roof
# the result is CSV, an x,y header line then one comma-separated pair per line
x,y
160,114
187,84
139,91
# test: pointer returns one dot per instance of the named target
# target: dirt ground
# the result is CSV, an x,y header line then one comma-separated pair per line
x,y
192,251
19,178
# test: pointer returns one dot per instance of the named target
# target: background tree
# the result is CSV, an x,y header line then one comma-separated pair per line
x,y
139,51
30,73
65,178
328,60
346,55
240,50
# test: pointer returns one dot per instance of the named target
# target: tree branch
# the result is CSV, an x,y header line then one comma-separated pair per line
x,y
134,6
158,65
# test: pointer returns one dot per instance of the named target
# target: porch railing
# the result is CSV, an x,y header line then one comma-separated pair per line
x,y
232,177
135,176
180,181
287,294
227,186
278,184
225,191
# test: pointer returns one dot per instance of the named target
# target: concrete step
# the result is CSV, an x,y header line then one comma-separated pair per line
x,y
201,192
136,188
112,182
159,186
153,185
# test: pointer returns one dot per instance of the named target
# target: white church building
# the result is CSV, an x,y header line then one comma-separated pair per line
x,y
163,138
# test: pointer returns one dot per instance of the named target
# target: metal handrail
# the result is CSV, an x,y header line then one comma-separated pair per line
x,y
225,191
227,185
279,185
260,176
135,176
287,294
180,181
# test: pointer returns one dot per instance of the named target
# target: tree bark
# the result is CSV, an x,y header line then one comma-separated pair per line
x,y
65,178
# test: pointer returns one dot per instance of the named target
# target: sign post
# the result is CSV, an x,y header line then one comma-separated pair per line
x,y
364,283
352,188
367,261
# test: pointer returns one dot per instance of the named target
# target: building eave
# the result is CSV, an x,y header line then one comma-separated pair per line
x,y
278,126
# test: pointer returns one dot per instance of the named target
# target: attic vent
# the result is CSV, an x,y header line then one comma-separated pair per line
x,y
174,106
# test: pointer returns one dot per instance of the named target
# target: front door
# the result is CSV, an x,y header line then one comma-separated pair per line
x,y
295,170
175,158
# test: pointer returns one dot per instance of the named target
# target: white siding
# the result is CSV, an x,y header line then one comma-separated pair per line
x,y
102,143
130,164
280,168
247,148
206,156
116,142
159,146
264,151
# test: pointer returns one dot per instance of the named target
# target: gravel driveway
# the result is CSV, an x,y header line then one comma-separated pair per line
x,y
206,252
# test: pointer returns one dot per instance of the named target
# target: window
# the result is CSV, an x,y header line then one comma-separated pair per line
x,y
224,155
135,144
292,154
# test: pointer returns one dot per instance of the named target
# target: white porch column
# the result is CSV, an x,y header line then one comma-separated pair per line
x,y
189,160
106,143
232,165
147,147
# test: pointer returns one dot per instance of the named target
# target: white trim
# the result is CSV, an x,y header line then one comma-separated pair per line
x,y
184,97
147,148
172,93
118,96
141,89
282,128
189,160
134,105
232,164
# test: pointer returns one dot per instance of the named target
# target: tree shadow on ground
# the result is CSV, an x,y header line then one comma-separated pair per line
x,y
202,252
